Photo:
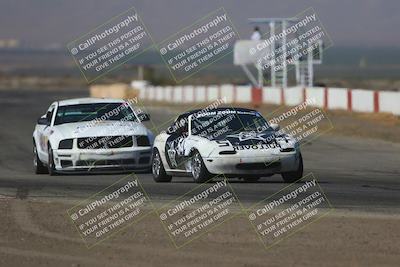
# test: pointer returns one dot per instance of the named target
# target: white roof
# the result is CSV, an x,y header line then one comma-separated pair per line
x,y
89,100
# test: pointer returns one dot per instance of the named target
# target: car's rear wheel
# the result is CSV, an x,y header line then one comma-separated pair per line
x,y
50,165
291,177
157,168
199,171
38,166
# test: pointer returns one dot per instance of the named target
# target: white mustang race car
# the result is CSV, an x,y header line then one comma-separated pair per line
x,y
235,142
91,134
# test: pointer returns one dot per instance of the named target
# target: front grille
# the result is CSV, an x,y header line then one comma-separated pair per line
x,y
104,142
250,142
258,165
142,140
105,162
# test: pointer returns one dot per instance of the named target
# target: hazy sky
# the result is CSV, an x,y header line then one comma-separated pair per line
x,y
348,22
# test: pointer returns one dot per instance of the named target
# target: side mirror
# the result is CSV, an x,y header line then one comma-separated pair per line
x,y
275,126
144,117
42,121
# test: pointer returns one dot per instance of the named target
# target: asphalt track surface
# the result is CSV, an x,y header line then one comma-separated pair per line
x,y
356,174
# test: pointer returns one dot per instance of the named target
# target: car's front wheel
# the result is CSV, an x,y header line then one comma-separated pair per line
x,y
157,168
291,177
199,171
38,166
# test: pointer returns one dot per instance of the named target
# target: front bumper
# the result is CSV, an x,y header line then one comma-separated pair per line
x,y
253,165
99,159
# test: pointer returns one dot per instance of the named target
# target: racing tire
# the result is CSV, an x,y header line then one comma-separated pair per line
x,y
200,173
291,177
50,165
157,169
38,165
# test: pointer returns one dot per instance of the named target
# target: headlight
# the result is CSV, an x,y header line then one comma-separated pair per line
x,y
65,144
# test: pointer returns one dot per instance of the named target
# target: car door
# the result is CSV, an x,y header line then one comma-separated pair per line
x,y
174,145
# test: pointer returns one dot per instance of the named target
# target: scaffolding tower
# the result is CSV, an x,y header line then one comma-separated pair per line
x,y
279,77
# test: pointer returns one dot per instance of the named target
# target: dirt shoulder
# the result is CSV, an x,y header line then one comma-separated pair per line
x,y
39,233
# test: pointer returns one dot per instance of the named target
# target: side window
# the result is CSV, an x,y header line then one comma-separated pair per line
x,y
180,126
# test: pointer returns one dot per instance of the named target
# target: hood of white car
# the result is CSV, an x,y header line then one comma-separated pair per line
x,y
104,128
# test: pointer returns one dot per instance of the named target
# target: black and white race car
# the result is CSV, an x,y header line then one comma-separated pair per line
x,y
236,142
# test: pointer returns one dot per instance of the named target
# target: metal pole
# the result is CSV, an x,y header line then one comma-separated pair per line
x,y
310,68
249,75
260,77
140,73
272,33
284,67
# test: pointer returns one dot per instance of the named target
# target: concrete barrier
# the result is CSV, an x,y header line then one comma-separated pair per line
x,y
200,94
178,94
228,92
159,92
271,95
188,94
212,92
293,96
362,100
358,100
151,94
167,96
316,93
389,102
142,93
243,94
337,98
117,90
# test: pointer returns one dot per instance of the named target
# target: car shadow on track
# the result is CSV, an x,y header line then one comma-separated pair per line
x,y
91,173
239,181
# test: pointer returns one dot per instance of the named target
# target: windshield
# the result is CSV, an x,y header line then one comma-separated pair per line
x,y
218,124
97,111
